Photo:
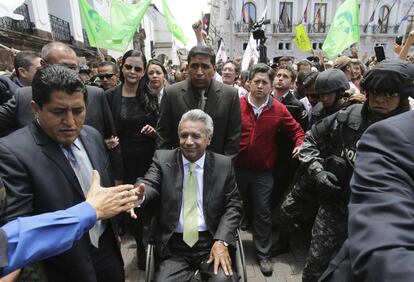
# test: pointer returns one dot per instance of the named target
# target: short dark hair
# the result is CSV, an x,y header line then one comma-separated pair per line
x,y
203,51
303,63
286,59
55,78
24,60
111,64
237,67
290,69
131,53
262,68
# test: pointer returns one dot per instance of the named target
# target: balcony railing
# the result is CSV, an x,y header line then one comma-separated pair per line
x,y
60,29
282,28
242,27
319,28
21,26
85,39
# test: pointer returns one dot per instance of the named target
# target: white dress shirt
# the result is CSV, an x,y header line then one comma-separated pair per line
x,y
258,110
199,173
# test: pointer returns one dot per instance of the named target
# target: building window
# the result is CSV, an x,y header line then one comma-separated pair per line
x,y
410,25
319,18
317,45
280,46
248,12
288,46
244,46
383,18
285,16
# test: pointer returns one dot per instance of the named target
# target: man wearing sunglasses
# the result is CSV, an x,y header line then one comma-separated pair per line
x,y
108,75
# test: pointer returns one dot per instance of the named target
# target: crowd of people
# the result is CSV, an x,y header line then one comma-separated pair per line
x,y
192,153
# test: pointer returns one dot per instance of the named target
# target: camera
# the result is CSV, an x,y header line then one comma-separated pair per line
x,y
259,34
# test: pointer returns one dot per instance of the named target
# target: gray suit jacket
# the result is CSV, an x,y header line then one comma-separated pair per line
x,y
221,200
222,105
38,178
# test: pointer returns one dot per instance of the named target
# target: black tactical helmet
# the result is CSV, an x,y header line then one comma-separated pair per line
x,y
390,76
330,81
310,79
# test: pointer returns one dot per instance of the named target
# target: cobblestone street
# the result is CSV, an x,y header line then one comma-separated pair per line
x,y
287,267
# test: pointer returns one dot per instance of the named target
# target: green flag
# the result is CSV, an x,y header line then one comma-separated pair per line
x,y
96,27
118,34
126,17
302,39
173,27
344,30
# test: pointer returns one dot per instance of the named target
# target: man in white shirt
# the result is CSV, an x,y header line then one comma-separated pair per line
x,y
199,205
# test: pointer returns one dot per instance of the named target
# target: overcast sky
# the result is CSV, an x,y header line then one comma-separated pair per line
x,y
186,12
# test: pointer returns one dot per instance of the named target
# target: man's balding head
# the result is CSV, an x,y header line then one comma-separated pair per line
x,y
59,53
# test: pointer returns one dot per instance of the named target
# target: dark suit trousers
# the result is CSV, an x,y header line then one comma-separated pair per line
x,y
107,260
258,187
184,261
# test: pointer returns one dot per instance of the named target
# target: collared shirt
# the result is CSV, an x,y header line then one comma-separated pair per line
x,y
258,110
308,106
199,173
34,238
281,98
160,96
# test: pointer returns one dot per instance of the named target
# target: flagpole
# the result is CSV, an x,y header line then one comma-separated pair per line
x,y
306,11
409,9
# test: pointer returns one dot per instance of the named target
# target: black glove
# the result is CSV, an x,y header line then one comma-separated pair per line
x,y
326,182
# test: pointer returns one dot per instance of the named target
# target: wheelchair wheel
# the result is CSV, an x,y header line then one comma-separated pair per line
x,y
150,264
240,259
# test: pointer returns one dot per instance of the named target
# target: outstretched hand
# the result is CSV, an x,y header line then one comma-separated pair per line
x,y
111,201
139,192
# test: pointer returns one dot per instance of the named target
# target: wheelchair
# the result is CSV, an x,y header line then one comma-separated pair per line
x,y
239,262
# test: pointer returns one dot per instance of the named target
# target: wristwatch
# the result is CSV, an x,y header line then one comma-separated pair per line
x,y
225,244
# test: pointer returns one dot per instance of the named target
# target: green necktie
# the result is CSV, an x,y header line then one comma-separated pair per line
x,y
190,232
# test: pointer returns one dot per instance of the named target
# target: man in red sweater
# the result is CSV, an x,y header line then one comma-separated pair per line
x,y
262,118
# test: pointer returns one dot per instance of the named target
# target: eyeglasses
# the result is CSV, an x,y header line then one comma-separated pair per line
x,y
385,94
136,68
106,75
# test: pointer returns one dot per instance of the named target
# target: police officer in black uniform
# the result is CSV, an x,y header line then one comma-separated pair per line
x,y
301,204
330,85
329,150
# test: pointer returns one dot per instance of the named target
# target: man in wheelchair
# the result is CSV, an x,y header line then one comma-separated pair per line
x,y
197,205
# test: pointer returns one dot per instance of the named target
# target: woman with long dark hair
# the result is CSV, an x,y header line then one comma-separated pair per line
x,y
135,113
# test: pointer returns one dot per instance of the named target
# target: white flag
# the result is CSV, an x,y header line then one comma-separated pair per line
x,y
221,53
251,51
7,7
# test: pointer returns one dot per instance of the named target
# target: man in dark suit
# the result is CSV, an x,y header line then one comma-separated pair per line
x,y
16,113
47,166
201,91
199,205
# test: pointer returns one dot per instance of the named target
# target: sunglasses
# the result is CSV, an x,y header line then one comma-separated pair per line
x,y
107,76
136,68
